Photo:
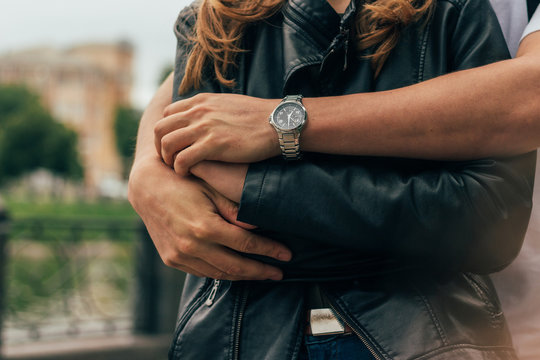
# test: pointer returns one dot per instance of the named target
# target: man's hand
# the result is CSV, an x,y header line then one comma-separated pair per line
x,y
222,127
186,220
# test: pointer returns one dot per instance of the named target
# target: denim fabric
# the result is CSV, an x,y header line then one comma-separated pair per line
x,y
334,347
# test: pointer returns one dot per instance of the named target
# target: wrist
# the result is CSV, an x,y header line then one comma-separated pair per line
x,y
272,142
144,169
331,121
288,120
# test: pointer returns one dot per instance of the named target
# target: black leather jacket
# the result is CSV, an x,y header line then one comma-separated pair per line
x,y
396,244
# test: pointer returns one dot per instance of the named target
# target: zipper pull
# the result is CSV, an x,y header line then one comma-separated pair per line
x,y
213,292
346,48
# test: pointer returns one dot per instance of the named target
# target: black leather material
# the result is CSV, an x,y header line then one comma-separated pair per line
x,y
393,242
532,5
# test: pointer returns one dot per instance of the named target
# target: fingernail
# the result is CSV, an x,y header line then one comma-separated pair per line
x,y
284,256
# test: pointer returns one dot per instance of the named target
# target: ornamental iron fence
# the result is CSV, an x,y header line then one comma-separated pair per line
x,y
3,240
82,278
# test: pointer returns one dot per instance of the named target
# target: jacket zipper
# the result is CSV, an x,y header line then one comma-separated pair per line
x,y
361,336
190,310
241,311
341,40
210,300
345,33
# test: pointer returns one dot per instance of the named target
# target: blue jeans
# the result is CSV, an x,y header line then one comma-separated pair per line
x,y
334,347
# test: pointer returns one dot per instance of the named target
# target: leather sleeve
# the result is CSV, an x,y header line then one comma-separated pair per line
x,y
468,216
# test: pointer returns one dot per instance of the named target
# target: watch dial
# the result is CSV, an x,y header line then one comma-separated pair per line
x,y
289,116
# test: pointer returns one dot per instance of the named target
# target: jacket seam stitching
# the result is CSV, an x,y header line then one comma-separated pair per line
x,y
301,33
490,307
314,31
477,289
434,317
423,50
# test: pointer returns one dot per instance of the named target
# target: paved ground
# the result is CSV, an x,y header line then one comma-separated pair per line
x,y
113,348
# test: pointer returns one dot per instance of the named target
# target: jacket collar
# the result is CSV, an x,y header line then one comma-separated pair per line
x,y
318,20
310,29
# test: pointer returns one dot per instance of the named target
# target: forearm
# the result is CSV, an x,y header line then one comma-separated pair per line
x,y
193,227
486,111
145,149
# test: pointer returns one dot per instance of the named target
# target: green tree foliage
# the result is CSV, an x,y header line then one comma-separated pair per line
x,y
30,138
16,99
125,126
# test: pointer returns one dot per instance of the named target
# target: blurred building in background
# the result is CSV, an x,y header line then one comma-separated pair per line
x,y
82,87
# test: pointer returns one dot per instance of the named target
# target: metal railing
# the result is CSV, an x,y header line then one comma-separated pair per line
x,y
3,240
66,279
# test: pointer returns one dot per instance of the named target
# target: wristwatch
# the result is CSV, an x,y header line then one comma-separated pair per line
x,y
288,118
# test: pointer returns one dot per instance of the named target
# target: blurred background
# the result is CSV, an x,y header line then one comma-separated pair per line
x,y
79,277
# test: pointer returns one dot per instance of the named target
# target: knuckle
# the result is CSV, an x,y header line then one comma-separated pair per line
x,y
166,143
158,128
210,232
168,111
200,230
199,110
171,259
201,97
132,192
217,140
168,262
248,245
179,164
187,246
202,127
233,270
218,275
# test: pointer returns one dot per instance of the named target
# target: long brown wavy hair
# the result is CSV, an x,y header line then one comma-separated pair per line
x,y
220,27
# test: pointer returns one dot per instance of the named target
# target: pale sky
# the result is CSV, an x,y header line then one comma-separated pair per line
x,y
146,24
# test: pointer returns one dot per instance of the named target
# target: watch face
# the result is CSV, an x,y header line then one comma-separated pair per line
x,y
289,116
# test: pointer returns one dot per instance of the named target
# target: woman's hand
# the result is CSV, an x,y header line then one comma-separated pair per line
x,y
221,127
225,178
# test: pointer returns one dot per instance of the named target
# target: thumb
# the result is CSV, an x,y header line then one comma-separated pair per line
x,y
229,211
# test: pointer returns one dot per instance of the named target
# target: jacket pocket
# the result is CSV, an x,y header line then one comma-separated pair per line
x,y
204,328
486,292
198,299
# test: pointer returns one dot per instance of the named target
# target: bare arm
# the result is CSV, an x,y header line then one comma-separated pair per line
x,y
184,216
486,111
490,111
